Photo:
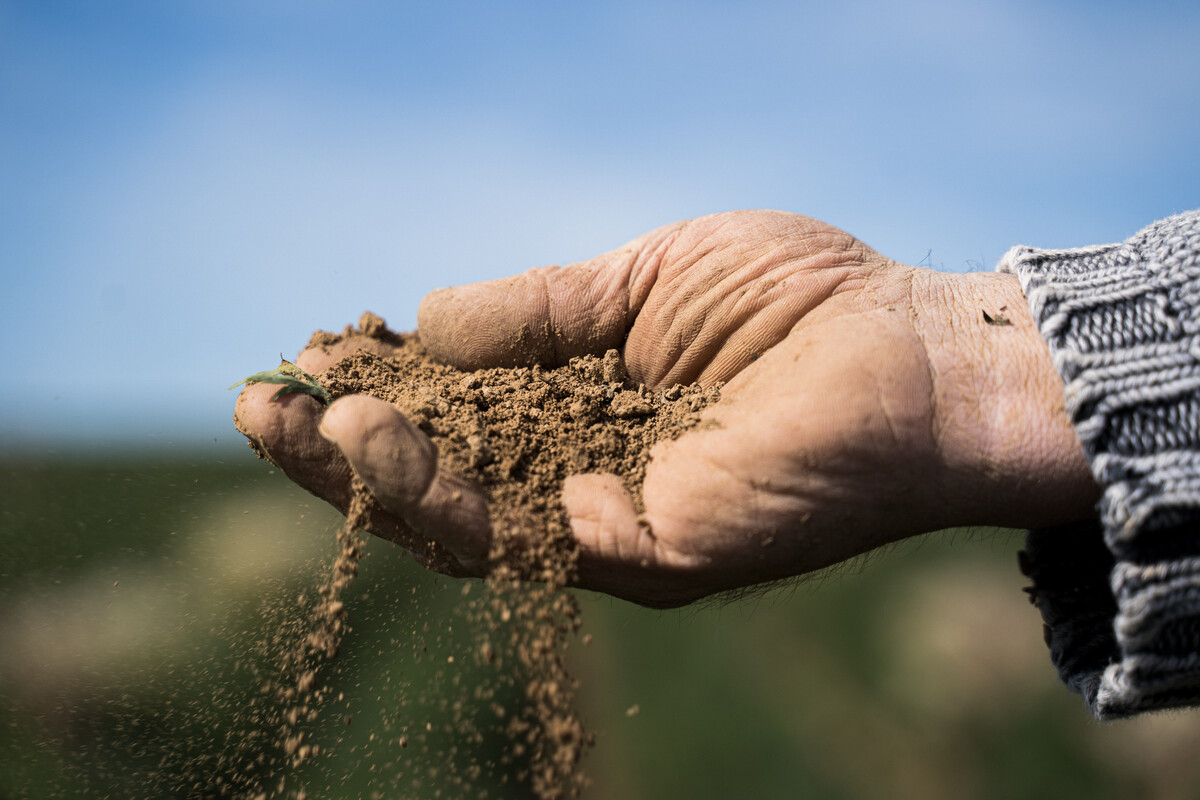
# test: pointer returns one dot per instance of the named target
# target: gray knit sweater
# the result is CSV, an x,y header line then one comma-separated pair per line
x,y
1120,596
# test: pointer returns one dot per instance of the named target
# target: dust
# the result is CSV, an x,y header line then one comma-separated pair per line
x,y
517,434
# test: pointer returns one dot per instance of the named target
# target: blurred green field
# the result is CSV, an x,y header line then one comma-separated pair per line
x,y
135,592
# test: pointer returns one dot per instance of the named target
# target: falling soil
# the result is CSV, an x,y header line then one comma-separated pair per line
x,y
516,434
301,692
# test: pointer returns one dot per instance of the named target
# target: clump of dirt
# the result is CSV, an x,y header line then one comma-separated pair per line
x,y
517,434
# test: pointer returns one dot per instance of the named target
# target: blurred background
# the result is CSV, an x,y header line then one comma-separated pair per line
x,y
189,189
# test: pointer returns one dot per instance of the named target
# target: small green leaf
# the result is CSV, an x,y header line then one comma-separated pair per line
x,y
292,379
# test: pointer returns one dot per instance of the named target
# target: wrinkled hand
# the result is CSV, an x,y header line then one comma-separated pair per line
x,y
866,401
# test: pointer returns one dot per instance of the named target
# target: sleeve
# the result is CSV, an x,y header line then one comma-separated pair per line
x,y
1120,596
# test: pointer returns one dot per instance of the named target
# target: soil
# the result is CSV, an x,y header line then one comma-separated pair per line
x,y
517,433
301,693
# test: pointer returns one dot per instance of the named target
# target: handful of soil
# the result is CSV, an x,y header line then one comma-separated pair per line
x,y
517,434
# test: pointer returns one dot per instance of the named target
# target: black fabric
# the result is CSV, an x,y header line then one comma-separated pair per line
x,y
1070,568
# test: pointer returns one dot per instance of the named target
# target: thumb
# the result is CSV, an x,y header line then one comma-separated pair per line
x,y
618,551
544,316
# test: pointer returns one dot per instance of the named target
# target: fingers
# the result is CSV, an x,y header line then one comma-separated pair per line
x,y
618,551
323,356
399,465
544,316
285,431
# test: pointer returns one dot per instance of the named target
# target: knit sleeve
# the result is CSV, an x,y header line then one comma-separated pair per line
x,y
1121,598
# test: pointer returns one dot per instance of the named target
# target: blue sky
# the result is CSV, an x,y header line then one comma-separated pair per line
x,y
190,188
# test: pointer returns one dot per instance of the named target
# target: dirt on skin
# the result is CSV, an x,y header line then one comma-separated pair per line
x,y
517,434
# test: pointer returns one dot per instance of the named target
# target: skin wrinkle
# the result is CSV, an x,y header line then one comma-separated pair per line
x,y
748,306
608,522
695,556
983,414
645,272
612,322
656,367
936,431
889,422
736,295
734,351
766,289
553,334
599,297
638,284
683,331
613,531
758,513
708,242
938,419
614,508
851,284
797,497
976,349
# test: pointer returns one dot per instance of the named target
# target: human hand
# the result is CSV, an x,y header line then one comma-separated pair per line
x,y
865,401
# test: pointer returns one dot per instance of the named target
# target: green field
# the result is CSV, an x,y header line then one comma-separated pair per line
x,y
136,595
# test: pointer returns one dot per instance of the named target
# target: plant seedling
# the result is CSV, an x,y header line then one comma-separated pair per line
x,y
291,379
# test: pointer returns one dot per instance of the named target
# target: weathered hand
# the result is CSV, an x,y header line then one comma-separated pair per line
x,y
866,401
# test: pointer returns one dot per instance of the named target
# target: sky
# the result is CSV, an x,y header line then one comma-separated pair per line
x,y
189,189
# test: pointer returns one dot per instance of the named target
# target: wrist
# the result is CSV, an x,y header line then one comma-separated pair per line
x,y
999,413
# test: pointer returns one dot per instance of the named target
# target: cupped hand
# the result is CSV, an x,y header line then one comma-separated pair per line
x,y
864,401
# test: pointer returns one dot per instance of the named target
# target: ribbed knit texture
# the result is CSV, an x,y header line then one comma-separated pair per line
x,y
1123,325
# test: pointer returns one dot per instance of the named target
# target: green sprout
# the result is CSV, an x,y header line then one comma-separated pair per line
x,y
292,379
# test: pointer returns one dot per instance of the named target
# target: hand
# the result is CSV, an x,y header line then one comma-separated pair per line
x,y
866,401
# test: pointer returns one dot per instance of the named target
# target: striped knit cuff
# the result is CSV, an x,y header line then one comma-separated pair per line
x,y
1123,326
